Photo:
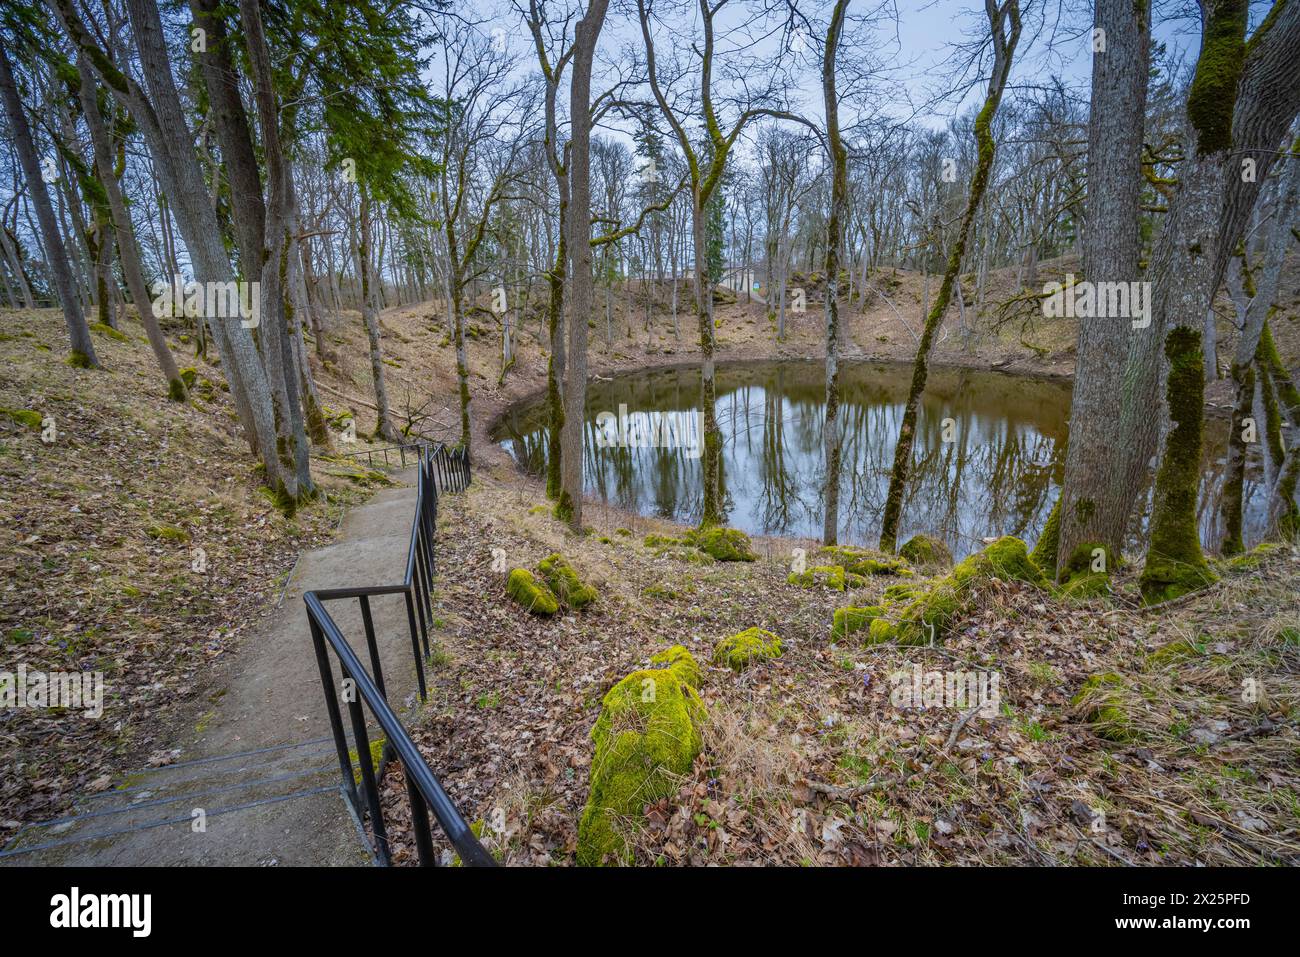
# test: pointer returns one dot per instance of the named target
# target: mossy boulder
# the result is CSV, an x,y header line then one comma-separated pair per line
x,y
723,544
827,576
1251,560
852,619
523,588
646,739
1006,559
925,550
1101,698
864,561
684,553
564,582
24,417
679,658
750,646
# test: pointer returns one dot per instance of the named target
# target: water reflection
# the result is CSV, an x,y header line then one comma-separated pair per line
x,y
990,451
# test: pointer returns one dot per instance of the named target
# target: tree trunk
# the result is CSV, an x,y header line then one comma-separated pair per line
x,y
834,237
582,291
128,250
1111,248
383,424
83,350
1004,46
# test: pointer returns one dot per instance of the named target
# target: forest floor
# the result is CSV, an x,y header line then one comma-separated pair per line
x,y
102,527
807,760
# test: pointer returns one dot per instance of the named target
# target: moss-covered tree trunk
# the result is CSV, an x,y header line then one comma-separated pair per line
x,y
833,436
1004,25
1243,95
1175,564
1111,245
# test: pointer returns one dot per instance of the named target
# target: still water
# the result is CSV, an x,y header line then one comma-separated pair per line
x,y
993,468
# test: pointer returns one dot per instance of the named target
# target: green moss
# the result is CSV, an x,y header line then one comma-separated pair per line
x,y
925,550
523,588
865,561
1007,559
167,533
646,739
1044,554
176,391
827,576
190,375
741,650
539,510
1101,699
1178,650
1079,578
851,619
24,417
104,329
79,360
376,750
1213,91
681,661
625,532
1251,560
1175,564
565,583
903,593
724,544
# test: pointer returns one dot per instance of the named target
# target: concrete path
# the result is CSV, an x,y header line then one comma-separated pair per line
x,y
263,769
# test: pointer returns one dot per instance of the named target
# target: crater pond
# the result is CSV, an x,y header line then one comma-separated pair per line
x,y
993,469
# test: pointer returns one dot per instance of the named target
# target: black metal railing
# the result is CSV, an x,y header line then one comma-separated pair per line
x,y
439,469
405,452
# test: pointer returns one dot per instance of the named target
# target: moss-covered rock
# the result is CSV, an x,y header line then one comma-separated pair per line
x,y
523,588
925,550
914,615
24,417
1102,702
1251,560
826,576
1007,559
646,739
564,582
723,544
851,619
865,561
741,650
678,658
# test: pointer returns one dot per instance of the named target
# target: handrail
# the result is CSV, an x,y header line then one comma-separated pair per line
x,y
437,467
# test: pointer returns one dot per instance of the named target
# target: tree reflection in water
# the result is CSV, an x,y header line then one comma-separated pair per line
x,y
999,475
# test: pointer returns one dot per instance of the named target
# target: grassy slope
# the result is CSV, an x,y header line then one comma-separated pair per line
x,y
100,527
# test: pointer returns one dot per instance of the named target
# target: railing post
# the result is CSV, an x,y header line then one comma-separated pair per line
x,y
375,666
420,823
368,780
415,644
332,706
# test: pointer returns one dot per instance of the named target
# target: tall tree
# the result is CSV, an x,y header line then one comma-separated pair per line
x,y
833,437
1111,249
56,255
583,289
1004,28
